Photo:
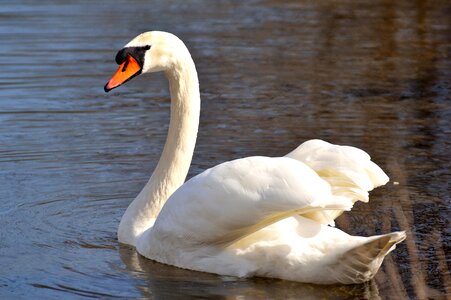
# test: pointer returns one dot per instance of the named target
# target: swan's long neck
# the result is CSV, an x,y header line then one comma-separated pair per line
x,y
175,160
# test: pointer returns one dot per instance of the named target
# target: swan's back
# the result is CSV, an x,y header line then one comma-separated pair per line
x,y
239,197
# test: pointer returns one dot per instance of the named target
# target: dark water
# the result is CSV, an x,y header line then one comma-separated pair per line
x,y
372,74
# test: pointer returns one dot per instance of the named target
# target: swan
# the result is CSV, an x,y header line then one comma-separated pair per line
x,y
255,216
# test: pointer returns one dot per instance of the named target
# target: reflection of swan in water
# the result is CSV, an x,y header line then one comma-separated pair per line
x,y
256,216
161,281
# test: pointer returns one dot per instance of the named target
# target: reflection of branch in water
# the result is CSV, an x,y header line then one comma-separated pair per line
x,y
406,223
397,286
434,240
161,281
441,258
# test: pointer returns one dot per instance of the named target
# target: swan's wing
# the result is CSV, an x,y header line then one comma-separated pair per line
x,y
348,170
237,198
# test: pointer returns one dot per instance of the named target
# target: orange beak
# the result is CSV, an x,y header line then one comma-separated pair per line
x,y
126,71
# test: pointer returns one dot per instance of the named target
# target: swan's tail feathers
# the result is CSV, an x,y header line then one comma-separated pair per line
x,y
349,170
361,263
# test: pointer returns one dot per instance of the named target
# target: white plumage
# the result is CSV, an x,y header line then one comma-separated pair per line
x,y
256,216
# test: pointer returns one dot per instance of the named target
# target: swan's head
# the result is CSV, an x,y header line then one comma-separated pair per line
x,y
151,51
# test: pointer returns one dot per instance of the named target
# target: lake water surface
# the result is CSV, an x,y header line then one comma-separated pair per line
x,y
371,74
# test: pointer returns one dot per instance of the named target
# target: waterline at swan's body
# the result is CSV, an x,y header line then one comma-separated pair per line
x,y
256,216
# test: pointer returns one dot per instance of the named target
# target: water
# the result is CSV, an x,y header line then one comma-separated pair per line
x,y
273,74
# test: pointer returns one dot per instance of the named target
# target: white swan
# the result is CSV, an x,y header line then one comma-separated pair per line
x,y
256,216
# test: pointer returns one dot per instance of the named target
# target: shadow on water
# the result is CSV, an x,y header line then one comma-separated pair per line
x,y
371,74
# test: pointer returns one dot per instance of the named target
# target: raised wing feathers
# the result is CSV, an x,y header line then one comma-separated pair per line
x,y
349,171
